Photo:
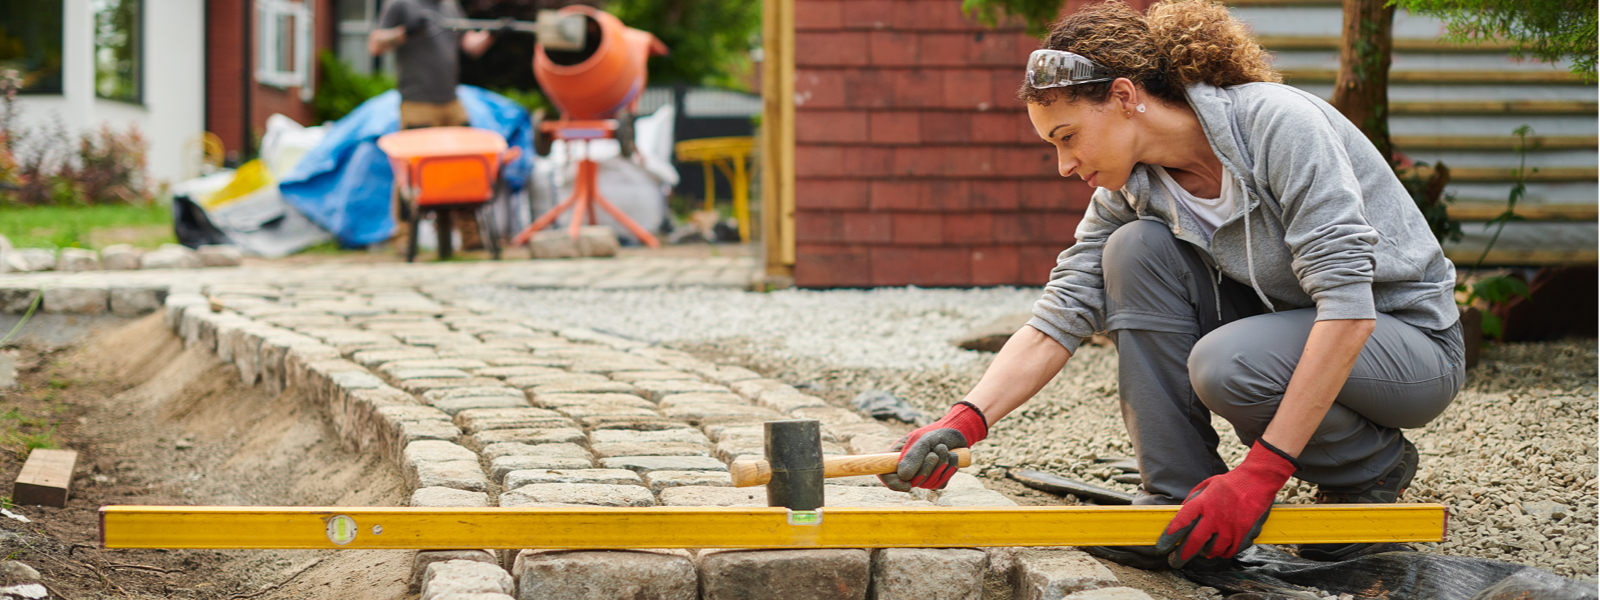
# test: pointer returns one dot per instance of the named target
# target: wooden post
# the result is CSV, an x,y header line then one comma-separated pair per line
x,y
777,136
45,478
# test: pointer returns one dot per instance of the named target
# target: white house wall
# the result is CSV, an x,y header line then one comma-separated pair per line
x,y
172,115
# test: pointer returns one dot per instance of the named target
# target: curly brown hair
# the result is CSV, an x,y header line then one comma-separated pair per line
x,y
1172,45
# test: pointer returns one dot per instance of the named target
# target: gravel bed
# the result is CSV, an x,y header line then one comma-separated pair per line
x,y
890,327
1514,456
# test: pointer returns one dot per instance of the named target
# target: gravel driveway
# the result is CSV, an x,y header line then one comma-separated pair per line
x,y
1514,456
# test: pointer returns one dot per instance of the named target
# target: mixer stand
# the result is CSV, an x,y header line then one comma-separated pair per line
x,y
586,188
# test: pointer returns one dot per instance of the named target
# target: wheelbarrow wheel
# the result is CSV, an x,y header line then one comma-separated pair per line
x,y
414,217
443,227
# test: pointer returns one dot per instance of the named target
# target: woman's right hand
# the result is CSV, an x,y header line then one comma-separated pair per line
x,y
927,457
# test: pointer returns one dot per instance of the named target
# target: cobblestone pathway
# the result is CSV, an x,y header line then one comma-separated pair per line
x,y
485,408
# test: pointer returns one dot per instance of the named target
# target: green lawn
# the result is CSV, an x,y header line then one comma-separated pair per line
x,y
87,227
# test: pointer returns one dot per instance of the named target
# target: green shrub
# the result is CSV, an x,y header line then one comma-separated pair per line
x,y
341,89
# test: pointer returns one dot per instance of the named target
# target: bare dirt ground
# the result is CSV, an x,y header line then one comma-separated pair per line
x,y
155,424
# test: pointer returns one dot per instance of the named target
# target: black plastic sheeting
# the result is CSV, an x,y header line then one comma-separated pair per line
x,y
1268,573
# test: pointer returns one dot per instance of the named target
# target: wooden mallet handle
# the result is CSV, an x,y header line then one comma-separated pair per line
x,y
748,473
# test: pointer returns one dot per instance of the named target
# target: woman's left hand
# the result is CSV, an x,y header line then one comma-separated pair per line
x,y
1224,514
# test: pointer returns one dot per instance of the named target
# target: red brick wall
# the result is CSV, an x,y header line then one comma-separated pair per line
x,y
914,162
227,75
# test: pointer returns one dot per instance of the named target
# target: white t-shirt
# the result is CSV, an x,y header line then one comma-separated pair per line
x,y
1212,212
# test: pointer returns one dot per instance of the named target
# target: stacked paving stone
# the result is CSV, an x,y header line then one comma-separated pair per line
x,y
481,409
119,257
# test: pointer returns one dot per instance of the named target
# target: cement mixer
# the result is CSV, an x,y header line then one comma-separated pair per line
x,y
592,68
596,89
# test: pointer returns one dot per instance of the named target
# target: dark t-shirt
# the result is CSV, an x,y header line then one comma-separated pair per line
x,y
428,65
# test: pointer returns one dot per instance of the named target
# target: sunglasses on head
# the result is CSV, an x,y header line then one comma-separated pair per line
x,y
1057,68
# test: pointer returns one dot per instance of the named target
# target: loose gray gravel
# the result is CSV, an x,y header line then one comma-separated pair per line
x,y
1514,456
890,327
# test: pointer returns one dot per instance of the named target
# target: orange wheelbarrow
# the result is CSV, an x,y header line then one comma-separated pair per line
x,y
439,169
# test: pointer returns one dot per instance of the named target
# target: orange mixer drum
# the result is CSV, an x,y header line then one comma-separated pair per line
x,y
604,77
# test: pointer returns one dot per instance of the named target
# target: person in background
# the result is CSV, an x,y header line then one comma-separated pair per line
x,y
426,56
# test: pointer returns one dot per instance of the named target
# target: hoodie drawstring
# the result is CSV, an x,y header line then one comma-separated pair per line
x,y
1250,262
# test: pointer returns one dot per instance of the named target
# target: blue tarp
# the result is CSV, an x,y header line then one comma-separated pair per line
x,y
344,184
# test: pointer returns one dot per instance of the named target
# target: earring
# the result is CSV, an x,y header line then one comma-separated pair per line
x,y
1140,107
1127,114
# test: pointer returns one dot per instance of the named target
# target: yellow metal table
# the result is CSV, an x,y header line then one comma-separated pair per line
x,y
730,155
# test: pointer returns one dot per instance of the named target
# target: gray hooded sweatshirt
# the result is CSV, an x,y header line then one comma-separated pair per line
x,y
1323,221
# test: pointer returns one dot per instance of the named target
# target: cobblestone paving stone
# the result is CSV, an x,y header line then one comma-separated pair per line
x,y
482,408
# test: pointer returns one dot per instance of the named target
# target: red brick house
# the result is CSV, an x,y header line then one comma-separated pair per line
x,y
261,58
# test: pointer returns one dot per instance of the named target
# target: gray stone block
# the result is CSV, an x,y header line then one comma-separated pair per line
x,y
72,260
517,371
1056,573
622,436
470,392
661,480
701,398
424,558
656,390
16,297
554,435
553,243
374,358
850,495
606,410
650,449
830,416
31,260
553,401
1113,593
443,497
787,574
479,596
170,257
646,464
422,386
585,387
597,241
785,402
120,257
485,419
499,467
927,573
753,388
846,432
517,479
77,298
726,374
972,498
713,496
590,494
637,376
569,450
220,256
458,474
632,422
455,406
432,363
606,575
133,301
722,413
464,577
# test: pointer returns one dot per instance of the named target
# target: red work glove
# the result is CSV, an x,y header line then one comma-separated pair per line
x,y
1225,512
926,457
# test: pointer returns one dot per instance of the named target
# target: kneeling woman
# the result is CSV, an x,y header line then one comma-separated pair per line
x,y
1251,254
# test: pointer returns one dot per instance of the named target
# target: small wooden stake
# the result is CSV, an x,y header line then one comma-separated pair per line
x,y
45,478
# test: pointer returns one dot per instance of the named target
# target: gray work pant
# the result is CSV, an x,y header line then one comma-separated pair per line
x,y
1179,361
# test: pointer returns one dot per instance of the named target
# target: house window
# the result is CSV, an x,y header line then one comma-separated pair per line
x,y
283,45
30,43
118,50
